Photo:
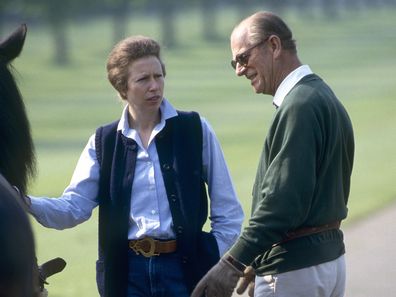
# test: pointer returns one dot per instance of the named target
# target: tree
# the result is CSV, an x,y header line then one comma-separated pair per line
x,y
119,11
209,19
167,13
58,13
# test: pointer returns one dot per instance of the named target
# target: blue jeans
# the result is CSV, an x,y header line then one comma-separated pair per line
x,y
157,276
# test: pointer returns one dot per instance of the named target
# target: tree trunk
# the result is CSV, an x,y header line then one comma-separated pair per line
x,y
57,18
61,54
209,20
167,16
120,20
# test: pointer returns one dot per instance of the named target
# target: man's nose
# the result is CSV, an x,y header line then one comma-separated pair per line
x,y
239,69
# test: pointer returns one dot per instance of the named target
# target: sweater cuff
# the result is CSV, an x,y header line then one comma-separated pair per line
x,y
243,252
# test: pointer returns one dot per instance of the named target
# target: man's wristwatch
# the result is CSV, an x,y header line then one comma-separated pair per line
x,y
238,265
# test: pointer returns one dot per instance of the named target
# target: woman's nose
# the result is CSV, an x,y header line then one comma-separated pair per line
x,y
154,84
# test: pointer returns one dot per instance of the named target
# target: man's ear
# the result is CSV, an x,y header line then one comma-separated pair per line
x,y
275,45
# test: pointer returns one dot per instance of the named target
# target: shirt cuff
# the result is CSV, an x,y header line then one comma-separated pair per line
x,y
34,208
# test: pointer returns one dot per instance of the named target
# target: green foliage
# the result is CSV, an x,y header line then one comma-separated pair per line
x,y
355,55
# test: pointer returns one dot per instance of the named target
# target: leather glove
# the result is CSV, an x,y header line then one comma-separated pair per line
x,y
219,281
247,282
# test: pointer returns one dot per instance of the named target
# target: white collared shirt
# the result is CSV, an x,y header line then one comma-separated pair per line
x,y
150,212
289,82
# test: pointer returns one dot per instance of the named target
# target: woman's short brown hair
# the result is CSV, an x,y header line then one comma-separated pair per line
x,y
124,53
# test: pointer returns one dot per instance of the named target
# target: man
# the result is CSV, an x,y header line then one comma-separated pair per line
x,y
292,243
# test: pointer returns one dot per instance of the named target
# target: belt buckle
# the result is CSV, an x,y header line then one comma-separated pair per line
x,y
138,249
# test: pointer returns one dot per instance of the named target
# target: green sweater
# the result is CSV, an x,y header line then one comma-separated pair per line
x,y
302,180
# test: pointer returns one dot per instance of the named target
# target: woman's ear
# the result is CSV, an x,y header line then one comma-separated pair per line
x,y
122,96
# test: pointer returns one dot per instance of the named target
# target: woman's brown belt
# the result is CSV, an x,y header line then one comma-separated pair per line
x,y
149,247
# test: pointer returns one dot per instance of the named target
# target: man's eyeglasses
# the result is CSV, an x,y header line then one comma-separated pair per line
x,y
243,58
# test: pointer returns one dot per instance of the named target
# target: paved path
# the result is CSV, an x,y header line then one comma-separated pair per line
x,y
371,256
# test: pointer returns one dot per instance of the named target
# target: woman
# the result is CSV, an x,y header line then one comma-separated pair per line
x,y
147,172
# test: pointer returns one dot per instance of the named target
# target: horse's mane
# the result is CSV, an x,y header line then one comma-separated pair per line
x,y
17,158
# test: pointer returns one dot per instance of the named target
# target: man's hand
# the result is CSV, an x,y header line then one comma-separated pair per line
x,y
219,281
247,281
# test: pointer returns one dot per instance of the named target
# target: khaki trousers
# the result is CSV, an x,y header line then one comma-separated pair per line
x,y
323,280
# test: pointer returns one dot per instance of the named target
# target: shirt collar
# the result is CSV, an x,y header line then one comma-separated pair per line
x,y
289,82
167,112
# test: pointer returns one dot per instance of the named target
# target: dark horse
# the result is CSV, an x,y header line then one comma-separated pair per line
x,y
18,268
19,274
17,162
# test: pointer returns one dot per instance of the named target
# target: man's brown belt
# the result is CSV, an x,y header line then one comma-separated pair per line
x,y
149,247
305,231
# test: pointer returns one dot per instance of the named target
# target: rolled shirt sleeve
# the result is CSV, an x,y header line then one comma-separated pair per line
x,y
79,198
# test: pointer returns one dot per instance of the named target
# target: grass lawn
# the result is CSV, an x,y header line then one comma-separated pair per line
x,y
354,54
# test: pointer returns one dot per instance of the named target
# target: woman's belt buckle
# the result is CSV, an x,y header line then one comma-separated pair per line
x,y
145,246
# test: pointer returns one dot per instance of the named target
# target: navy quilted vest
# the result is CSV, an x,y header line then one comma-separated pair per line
x,y
179,147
